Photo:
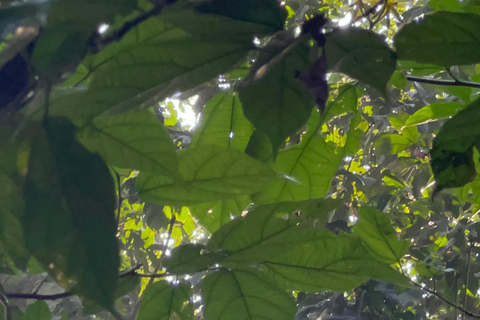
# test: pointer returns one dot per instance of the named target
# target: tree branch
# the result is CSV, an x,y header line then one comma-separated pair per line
x,y
434,293
456,83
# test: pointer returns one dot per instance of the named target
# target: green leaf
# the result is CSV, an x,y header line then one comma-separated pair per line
x,y
162,301
443,38
213,215
452,151
210,173
70,213
37,311
361,54
345,102
135,140
328,262
244,295
223,123
153,61
376,231
392,144
189,258
433,112
262,234
309,168
124,286
274,100
260,147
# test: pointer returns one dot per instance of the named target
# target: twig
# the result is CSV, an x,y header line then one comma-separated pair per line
x,y
367,13
39,296
468,276
456,83
120,198
434,293
40,285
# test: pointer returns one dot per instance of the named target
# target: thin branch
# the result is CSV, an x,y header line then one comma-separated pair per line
x,y
434,293
468,276
39,296
120,198
456,83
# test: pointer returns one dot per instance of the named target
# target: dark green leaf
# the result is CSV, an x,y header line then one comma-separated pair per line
x,y
260,147
452,151
261,12
274,100
213,215
37,311
362,55
163,301
189,258
376,231
223,123
210,173
135,140
245,295
69,213
443,38
433,112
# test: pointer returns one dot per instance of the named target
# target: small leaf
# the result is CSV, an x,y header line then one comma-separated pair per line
x,y
162,301
189,258
135,141
37,311
361,54
375,230
273,99
433,112
443,38
210,173
70,213
244,295
223,123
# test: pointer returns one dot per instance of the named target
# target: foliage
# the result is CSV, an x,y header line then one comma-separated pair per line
x,y
239,159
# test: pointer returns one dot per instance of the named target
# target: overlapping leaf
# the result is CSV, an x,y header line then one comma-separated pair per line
x,y
135,141
245,295
190,258
361,54
37,311
375,230
223,123
433,112
443,38
69,213
272,97
163,301
210,173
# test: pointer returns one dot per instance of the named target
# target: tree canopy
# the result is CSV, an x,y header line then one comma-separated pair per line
x,y
239,159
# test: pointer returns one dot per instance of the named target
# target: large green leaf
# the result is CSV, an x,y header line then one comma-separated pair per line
x,y
272,97
361,54
375,230
63,42
327,262
153,61
70,213
433,112
443,38
452,151
190,258
261,234
244,295
210,173
223,123
309,168
213,215
135,141
37,311
163,301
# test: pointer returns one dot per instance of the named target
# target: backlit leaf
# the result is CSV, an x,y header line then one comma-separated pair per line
x,y
244,295
433,112
37,311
